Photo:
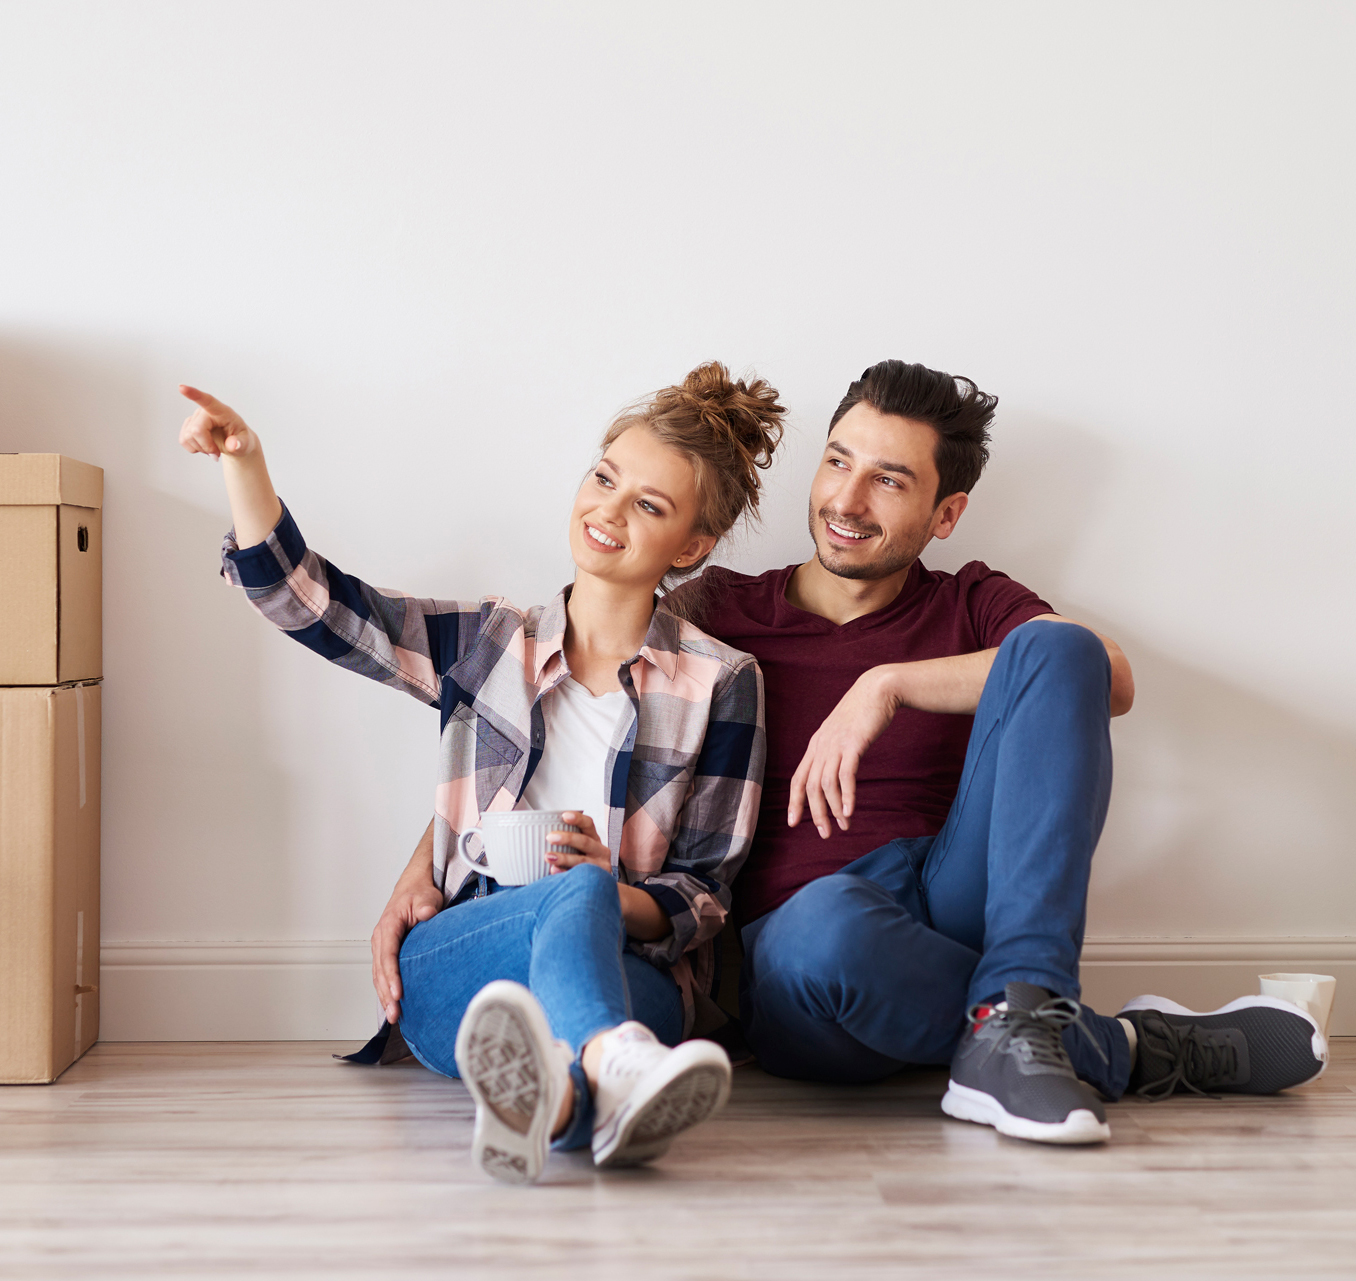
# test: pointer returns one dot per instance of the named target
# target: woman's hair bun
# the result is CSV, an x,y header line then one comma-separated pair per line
x,y
727,427
748,414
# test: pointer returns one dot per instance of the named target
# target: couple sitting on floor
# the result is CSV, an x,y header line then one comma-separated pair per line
x,y
945,735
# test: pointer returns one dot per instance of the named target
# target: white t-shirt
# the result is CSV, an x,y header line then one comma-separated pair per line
x,y
571,774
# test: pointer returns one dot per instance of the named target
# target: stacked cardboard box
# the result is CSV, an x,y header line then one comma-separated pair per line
x,y
51,663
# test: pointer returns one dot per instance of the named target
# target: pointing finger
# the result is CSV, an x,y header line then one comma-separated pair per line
x,y
220,415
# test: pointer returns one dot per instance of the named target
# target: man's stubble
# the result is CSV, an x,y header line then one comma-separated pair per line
x,y
892,560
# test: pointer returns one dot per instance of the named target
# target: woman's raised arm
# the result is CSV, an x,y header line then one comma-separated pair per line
x,y
394,638
217,430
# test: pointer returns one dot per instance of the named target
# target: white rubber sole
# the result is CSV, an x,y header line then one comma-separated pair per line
x,y
967,1104
1318,1042
506,1056
689,1086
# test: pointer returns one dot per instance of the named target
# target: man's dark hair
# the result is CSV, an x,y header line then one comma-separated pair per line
x,y
954,408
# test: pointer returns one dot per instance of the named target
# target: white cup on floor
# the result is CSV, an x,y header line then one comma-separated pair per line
x,y
1313,993
515,844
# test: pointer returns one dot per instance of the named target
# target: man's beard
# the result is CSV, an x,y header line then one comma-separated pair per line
x,y
891,561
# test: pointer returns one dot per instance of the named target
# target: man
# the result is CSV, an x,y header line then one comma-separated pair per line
x,y
947,737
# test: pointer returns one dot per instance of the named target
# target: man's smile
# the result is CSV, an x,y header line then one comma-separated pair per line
x,y
844,536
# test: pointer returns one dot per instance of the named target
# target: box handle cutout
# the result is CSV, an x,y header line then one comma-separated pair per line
x,y
82,538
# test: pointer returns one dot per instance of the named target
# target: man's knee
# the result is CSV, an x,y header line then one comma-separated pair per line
x,y
1068,648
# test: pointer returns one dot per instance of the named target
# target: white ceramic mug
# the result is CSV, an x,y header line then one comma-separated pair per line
x,y
1313,993
515,844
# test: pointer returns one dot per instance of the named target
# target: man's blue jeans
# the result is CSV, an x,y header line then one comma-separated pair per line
x,y
872,968
562,938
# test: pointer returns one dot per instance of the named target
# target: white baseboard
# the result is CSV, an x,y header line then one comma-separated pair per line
x,y
293,991
237,991
1204,973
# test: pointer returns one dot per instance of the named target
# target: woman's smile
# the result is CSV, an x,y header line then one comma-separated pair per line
x,y
601,541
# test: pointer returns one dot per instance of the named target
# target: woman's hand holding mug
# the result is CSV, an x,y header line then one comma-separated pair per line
x,y
585,844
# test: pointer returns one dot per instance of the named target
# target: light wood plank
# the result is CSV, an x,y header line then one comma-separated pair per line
x,y
272,1160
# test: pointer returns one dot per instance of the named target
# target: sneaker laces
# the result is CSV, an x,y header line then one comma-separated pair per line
x,y
1039,1031
1192,1054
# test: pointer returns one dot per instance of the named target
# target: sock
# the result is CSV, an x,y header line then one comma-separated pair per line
x,y
1133,1037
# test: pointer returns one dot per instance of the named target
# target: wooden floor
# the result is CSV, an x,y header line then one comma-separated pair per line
x,y
272,1160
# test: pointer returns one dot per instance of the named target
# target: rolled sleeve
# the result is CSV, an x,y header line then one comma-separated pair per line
x,y
265,564
388,636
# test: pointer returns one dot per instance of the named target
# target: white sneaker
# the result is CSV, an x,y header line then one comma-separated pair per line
x,y
648,1094
517,1074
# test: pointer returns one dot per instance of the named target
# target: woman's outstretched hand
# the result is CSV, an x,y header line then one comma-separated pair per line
x,y
218,431
214,428
585,844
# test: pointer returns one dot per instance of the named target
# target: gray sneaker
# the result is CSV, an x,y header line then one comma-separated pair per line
x,y
1011,1071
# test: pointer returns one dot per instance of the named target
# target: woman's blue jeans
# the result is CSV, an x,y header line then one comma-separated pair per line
x,y
872,968
563,939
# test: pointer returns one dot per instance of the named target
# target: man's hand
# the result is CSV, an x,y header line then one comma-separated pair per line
x,y
826,777
585,844
827,774
413,901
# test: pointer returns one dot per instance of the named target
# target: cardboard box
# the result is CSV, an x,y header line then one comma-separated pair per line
x,y
51,570
49,879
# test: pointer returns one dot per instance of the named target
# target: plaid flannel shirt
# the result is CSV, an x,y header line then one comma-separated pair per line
x,y
684,770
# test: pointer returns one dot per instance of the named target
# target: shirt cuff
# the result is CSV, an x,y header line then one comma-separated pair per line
x,y
265,564
668,949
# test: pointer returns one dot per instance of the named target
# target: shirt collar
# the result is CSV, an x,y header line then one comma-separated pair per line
x,y
662,642
660,647
550,639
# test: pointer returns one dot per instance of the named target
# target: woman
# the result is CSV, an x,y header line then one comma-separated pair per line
x,y
561,1003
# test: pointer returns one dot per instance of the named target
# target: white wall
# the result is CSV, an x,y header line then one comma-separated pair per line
x,y
428,249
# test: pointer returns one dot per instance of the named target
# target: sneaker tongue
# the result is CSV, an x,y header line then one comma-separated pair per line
x,y
1025,996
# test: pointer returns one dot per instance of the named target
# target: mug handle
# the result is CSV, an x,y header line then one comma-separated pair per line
x,y
481,869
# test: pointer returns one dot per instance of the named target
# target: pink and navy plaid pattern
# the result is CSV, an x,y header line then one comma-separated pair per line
x,y
685,770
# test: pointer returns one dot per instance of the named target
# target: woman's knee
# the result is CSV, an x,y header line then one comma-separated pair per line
x,y
587,878
584,883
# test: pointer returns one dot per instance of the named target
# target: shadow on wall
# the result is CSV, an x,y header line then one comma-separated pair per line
x,y
1232,815
192,825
